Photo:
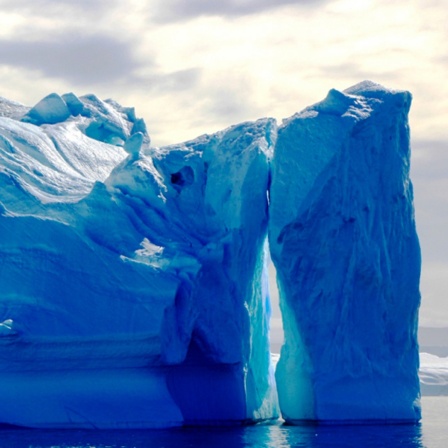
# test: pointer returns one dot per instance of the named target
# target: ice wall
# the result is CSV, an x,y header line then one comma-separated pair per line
x,y
132,277
343,240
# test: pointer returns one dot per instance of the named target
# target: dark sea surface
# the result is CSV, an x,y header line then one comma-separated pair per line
x,y
431,433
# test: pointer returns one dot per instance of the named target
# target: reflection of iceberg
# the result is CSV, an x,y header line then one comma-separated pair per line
x,y
270,436
134,281
343,239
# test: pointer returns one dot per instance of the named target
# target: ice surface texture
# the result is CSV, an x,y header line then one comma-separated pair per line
x,y
343,240
133,278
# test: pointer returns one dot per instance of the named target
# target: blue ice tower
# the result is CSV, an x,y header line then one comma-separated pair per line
x,y
344,243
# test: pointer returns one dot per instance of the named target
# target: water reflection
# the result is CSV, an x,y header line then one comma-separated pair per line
x,y
356,436
268,436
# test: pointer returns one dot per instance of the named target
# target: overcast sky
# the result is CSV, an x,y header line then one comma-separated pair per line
x,y
196,66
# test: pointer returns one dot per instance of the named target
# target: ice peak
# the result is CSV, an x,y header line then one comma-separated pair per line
x,y
50,110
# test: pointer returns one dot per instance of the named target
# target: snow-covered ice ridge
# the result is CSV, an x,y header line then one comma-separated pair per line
x,y
133,278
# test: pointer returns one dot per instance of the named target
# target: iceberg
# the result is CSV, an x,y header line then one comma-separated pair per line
x,y
133,278
344,244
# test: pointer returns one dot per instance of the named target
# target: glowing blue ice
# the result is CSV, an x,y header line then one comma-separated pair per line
x,y
132,277
343,240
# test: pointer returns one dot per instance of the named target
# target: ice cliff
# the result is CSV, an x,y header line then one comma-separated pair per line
x,y
133,278
343,240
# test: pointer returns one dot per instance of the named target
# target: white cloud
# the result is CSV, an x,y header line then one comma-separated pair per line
x,y
264,63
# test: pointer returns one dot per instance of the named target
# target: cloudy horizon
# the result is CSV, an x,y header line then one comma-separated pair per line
x,y
196,67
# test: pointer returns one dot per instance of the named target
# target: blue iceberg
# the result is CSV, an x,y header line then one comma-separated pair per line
x,y
343,240
134,278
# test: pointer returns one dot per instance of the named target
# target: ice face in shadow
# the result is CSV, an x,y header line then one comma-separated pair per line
x,y
343,240
133,278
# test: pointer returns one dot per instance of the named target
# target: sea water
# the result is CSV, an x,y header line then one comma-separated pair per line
x,y
432,432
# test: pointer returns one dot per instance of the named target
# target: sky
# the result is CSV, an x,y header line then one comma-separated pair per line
x,y
197,66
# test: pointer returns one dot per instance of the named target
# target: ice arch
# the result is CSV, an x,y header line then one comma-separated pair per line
x,y
142,270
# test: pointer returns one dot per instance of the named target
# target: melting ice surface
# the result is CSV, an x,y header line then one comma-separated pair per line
x,y
133,278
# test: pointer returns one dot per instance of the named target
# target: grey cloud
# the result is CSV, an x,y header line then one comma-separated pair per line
x,y
429,166
430,159
180,80
177,10
229,104
78,59
92,61
57,7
